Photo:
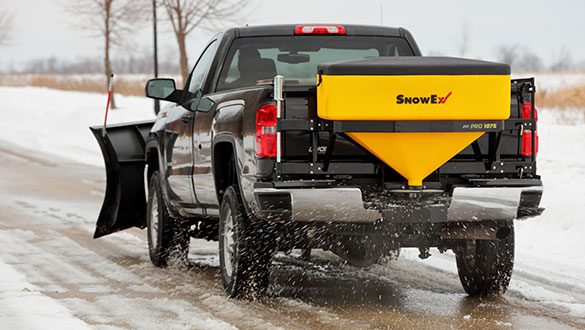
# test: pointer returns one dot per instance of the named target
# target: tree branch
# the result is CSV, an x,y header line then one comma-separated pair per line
x,y
5,26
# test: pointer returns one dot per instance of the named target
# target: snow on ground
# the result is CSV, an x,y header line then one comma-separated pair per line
x,y
549,247
22,306
56,122
561,164
554,81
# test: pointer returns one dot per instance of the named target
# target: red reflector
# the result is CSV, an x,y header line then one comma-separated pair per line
x,y
527,111
266,131
528,134
527,144
319,29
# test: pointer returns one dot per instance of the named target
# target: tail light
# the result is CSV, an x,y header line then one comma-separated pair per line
x,y
529,147
319,29
266,131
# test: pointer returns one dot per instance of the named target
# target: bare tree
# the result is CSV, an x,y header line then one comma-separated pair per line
x,y
580,66
508,54
5,26
113,20
530,62
186,15
563,61
521,58
465,39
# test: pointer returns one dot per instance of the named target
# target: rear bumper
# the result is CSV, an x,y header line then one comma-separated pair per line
x,y
346,205
494,203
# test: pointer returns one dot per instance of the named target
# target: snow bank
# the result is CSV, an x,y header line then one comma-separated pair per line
x,y
57,122
553,242
22,306
561,164
554,81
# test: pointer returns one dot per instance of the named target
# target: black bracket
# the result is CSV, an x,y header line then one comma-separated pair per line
x,y
419,126
329,151
390,126
493,148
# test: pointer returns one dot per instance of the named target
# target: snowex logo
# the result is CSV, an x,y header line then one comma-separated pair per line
x,y
430,99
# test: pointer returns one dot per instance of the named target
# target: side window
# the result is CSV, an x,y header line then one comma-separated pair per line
x,y
202,67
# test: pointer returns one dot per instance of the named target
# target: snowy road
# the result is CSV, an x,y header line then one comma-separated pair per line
x,y
54,275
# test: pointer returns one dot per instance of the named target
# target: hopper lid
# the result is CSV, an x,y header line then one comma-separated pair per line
x,y
414,65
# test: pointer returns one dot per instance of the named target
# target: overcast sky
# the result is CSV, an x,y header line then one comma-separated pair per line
x,y
42,28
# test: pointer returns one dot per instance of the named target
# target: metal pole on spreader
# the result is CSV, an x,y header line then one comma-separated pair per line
x,y
110,85
278,82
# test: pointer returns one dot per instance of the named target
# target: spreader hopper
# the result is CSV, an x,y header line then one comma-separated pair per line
x,y
414,113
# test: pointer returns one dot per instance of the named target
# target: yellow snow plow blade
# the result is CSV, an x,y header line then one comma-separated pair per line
x,y
403,91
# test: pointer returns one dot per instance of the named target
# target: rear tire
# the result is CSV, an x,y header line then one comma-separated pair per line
x,y
485,266
168,238
245,249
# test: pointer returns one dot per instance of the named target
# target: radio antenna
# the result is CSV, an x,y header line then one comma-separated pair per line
x,y
381,14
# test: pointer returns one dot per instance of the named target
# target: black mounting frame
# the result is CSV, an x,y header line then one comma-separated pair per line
x,y
490,163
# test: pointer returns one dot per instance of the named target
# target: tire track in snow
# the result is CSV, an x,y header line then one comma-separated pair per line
x,y
121,275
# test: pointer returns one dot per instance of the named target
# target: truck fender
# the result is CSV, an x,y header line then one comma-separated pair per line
x,y
153,149
228,128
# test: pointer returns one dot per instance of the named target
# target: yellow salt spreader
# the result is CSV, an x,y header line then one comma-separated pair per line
x,y
414,113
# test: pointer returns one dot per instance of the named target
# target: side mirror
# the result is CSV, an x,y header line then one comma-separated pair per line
x,y
160,89
205,105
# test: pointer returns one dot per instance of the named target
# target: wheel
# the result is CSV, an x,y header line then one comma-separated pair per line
x,y
168,238
245,249
485,266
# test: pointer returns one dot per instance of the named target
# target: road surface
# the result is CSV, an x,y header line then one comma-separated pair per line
x,y
48,208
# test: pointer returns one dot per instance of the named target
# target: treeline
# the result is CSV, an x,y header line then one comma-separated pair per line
x,y
520,58
523,59
132,64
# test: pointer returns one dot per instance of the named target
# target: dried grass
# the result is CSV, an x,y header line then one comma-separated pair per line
x,y
131,85
572,98
565,98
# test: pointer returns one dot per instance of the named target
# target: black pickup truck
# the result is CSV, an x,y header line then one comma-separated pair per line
x,y
336,137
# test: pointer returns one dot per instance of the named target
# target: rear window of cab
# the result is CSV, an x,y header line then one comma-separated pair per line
x,y
254,61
